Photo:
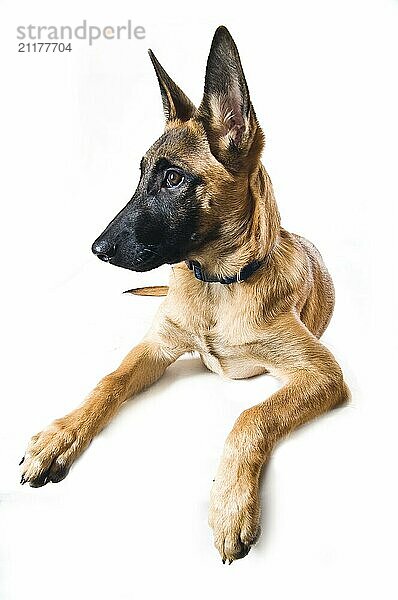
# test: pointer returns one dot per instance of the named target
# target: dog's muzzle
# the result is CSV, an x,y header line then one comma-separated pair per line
x,y
125,253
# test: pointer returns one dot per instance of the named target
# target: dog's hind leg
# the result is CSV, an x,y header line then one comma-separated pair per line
x,y
313,385
51,452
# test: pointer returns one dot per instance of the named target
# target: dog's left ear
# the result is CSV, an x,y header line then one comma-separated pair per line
x,y
176,105
226,110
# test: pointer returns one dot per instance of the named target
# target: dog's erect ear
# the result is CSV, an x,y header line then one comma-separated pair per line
x,y
226,111
176,105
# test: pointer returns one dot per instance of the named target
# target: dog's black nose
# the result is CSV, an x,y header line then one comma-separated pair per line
x,y
104,249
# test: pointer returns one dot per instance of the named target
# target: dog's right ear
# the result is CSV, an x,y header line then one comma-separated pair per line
x,y
226,111
176,105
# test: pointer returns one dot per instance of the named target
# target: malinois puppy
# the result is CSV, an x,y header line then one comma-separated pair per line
x,y
248,296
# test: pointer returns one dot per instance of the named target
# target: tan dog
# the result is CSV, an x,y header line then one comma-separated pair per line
x,y
251,298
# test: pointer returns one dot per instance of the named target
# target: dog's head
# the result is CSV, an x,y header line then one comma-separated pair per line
x,y
193,191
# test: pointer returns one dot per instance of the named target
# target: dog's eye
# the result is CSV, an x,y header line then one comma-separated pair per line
x,y
173,179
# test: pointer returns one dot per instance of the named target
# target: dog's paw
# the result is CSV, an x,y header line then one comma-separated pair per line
x,y
234,516
51,453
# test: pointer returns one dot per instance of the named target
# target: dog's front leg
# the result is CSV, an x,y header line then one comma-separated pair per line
x,y
313,384
51,452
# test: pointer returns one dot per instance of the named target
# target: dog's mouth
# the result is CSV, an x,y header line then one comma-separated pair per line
x,y
135,258
145,259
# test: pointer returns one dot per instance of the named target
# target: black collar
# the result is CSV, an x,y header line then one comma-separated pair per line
x,y
241,276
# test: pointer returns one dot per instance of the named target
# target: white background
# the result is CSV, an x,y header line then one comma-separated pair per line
x,y
130,520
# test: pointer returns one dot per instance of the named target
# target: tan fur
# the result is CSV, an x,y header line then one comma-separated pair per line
x,y
270,323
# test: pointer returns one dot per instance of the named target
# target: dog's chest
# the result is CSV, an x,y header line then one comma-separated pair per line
x,y
220,323
224,341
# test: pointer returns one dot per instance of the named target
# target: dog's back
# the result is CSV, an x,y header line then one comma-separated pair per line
x,y
318,307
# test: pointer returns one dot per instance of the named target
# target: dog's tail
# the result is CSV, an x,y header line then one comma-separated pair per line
x,y
154,290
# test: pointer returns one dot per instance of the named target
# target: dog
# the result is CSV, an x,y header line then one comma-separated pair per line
x,y
247,295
